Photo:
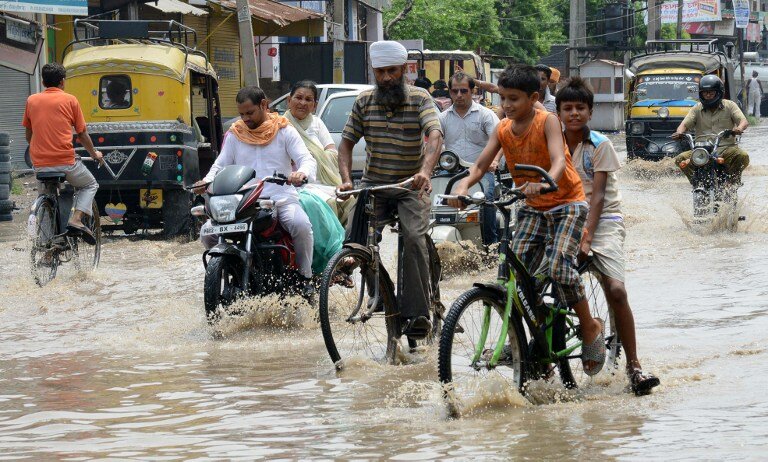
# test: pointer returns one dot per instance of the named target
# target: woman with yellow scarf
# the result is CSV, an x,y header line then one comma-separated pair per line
x,y
302,102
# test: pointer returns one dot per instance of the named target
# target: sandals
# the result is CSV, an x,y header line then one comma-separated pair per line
x,y
595,352
642,383
83,232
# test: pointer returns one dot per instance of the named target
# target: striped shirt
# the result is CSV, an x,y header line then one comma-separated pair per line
x,y
393,139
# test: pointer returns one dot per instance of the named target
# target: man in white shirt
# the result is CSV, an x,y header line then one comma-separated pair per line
x,y
268,143
545,97
755,95
467,127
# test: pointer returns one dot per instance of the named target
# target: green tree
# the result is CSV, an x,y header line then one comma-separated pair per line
x,y
445,24
529,28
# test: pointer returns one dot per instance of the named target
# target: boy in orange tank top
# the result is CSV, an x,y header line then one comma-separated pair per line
x,y
548,225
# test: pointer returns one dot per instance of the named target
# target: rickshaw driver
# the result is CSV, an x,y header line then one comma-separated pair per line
x,y
714,114
49,119
268,143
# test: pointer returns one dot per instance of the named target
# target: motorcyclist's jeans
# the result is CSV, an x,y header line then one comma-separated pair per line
x,y
489,229
736,160
295,221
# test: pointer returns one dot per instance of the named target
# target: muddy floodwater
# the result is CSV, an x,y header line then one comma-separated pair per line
x,y
121,364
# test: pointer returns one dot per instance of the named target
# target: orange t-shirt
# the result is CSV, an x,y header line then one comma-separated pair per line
x,y
51,116
531,148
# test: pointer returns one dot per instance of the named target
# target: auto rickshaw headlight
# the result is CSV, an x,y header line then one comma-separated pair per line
x,y
663,112
699,157
224,208
448,161
636,128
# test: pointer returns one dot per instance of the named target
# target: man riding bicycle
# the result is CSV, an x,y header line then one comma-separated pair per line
x,y
393,118
714,114
49,119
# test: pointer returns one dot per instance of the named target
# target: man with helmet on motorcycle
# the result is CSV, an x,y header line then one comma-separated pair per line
x,y
714,114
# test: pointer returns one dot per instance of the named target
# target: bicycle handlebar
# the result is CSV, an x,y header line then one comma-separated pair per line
x,y
353,192
544,175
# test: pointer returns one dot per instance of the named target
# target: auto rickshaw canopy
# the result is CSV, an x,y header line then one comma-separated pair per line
x,y
684,61
137,58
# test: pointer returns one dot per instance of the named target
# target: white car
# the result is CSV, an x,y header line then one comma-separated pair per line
x,y
280,105
334,113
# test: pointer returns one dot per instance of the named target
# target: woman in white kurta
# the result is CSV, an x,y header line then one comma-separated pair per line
x,y
302,102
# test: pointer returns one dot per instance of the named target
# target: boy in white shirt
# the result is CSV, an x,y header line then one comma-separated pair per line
x,y
596,162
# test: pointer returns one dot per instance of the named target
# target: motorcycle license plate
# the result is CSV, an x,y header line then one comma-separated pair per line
x,y
224,229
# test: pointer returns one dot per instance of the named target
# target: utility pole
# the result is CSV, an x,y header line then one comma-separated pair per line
x,y
654,20
679,34
577,34
247,49
339,19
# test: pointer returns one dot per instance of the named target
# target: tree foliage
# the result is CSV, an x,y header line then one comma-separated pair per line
x,y
523,30
447,24
529,28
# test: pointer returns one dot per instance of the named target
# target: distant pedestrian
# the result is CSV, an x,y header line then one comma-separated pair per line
x,y
755,95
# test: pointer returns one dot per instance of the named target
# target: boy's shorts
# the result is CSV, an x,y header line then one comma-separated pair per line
x,y
551,240
608,248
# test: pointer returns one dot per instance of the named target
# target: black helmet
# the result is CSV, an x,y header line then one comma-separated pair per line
x,y
711,83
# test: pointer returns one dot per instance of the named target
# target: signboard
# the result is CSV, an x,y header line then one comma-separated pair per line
x,y
693,11
741,13
20,44
753,32
64,7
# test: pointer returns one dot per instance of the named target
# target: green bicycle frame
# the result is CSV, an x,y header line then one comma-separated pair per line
x,y
542,332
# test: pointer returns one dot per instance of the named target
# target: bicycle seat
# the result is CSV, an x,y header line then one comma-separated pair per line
x,y
57,177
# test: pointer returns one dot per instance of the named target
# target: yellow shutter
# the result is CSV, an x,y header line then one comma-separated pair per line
x,y
224,53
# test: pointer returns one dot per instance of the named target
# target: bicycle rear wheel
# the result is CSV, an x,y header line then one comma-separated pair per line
x,y
44,257
462,336
345,298
86,256
571,370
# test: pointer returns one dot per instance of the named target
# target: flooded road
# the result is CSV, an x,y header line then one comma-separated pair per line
x,y
121,364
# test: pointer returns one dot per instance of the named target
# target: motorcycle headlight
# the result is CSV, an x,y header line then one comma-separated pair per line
x,y
663,112
636,128
448,161
699,157
224,208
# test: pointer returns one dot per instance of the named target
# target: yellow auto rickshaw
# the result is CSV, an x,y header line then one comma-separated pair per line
x,y
150,100
664,86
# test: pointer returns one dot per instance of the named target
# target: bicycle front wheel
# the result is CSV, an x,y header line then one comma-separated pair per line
x,y
352,326
471,331
87,256
44,257
571,370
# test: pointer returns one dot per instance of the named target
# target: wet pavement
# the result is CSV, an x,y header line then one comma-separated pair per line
x,y
121,364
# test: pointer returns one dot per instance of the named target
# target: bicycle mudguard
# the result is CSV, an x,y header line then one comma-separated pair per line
x,y
38,201
494,287
360,247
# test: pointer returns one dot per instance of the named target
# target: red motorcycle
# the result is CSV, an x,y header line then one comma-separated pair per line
x,y
254,254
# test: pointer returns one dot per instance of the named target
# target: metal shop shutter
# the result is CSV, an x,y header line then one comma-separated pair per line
x,y
13,100
224,53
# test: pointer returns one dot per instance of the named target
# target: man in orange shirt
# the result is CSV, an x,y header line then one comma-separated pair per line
x,y
49,119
